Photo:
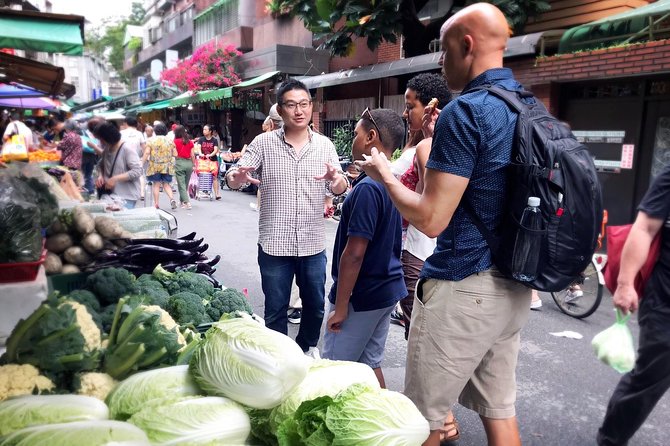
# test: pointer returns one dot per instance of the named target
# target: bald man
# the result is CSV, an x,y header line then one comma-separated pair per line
x,y
464,337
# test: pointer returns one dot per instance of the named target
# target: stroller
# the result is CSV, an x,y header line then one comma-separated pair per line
x,y
205,170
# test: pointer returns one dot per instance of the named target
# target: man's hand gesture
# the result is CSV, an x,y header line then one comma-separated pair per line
x,y
374,165
242,175
330,175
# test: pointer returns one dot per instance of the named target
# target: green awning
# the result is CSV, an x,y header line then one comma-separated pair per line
x,y
155,106
214,95
639,24
211,8
182,99
256,80
32,31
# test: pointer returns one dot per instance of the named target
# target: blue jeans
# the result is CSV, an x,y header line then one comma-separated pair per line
x,y
88,162
277,278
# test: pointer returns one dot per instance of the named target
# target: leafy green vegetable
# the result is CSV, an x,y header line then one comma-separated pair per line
x,y
110,284
107,317
32,410
184,281
78,433
59,336
227,301
187,309
85,298
150,388
390,419
152,290
242,360
142,337
324,378
194,421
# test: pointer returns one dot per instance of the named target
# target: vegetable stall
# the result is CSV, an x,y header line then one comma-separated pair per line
x,y
131,340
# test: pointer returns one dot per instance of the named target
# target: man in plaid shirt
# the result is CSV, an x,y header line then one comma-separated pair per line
x,y
289,166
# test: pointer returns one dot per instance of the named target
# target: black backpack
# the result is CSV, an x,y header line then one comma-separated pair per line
x,y
547,162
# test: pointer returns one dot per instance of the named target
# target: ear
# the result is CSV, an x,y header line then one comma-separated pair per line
x,y
468,45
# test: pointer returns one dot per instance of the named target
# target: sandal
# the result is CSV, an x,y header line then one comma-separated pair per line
x,y
449,433
173,204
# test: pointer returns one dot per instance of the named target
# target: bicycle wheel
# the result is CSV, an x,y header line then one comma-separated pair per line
x,y
585,305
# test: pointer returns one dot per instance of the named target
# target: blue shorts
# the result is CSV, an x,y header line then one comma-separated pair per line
x,y
160,178
362,338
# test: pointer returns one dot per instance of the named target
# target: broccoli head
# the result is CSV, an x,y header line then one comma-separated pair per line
x,y
85,298
188,308
106,316
227,301
110,284
153,293
184,281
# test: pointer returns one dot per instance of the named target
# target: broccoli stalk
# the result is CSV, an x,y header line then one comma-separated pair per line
x,y
142,337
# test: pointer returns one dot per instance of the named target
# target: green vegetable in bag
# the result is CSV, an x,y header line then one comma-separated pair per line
x,y
614,345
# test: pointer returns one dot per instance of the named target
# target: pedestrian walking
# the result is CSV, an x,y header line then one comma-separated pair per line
x,y
160,153
367,273
639,390
208,145
290,163
464,336
184,164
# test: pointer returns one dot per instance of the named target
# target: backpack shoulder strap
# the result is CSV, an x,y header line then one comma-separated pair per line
x,y
512,98
491,239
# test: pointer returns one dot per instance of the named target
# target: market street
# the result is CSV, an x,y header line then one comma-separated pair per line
x,y
562,388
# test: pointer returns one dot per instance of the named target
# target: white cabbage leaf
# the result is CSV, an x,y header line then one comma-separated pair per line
x,y
141,389
78,433
246,362
33,410
194,421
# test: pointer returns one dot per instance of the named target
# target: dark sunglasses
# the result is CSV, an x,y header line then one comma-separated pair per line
x,y
368,115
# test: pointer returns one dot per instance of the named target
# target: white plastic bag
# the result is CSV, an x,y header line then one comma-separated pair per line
x,y
614,345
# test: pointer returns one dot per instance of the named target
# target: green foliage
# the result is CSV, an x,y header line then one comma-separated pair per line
x,y
378,20
107,40
135,44
343,137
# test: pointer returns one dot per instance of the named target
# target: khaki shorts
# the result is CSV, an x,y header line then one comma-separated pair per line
x,y
463,345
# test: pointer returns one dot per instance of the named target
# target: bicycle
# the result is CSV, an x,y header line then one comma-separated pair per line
x,y
582,298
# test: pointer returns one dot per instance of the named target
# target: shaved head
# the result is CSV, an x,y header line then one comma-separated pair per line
x,y
474,40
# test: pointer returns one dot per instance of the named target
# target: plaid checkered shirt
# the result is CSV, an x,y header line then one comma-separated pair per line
x,y
291,219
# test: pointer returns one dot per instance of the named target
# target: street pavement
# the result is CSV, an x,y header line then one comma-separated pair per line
x,y
562,388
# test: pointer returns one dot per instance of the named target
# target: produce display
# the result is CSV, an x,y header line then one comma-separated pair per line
x,y
121,360
43,156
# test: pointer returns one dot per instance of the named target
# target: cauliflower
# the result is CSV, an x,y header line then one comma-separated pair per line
x,y
169,323
60,336
87,326
22,379
94,384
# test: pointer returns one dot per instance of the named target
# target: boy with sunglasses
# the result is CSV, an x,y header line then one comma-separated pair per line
x,y
367,272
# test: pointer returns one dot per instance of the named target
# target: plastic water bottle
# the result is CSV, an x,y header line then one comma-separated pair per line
x,y
528,243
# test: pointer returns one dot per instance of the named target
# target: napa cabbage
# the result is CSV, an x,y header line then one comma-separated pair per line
x,y
242,360
33,410
78,433
144,388
194,421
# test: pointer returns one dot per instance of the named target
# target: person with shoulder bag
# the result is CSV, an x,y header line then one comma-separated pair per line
x,y
119,168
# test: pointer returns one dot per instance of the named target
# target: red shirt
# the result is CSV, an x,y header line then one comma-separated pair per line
x,y
183,150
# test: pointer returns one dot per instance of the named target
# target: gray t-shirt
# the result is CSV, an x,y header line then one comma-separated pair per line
x,y
129,162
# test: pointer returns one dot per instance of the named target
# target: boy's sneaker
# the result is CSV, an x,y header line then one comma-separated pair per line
x,y
313,353
396,318
294,316
536,305
572,295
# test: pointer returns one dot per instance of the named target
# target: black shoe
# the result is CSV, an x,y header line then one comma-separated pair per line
x,y
396,318
294,316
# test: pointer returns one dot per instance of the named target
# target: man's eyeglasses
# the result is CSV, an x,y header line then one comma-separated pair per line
x,y
368,115
290,106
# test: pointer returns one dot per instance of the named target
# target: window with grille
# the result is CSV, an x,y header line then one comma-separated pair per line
x,y
219,21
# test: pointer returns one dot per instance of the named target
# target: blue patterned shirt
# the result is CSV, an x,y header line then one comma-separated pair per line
x,y
473,139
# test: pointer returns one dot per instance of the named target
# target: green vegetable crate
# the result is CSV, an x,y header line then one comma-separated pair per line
x,y
65,283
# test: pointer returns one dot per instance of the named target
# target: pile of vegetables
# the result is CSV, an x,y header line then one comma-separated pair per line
x,y
77,242
26,206
244,384
117,325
